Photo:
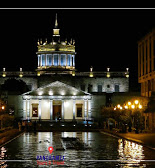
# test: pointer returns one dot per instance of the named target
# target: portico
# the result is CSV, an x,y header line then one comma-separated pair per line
x,y
56,100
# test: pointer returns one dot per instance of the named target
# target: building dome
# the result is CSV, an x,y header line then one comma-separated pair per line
x,y
56,54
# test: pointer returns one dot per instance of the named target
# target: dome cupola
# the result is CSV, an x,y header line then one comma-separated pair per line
x,y
56,54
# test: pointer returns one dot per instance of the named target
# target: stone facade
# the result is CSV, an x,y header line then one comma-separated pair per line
x,y
56,62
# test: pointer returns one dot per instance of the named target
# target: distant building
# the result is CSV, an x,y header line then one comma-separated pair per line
x,y
146,64
57,89
146,73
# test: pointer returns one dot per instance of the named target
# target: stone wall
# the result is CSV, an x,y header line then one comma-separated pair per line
x,y
16,102
108,84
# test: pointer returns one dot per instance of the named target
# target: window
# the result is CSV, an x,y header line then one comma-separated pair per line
x,y
39,59
56,59
108,100
83,87
146,56
49,59
78,110
43,59
90,88
139,60
69,60
99,88
150,52
116,88
63,60
108,86
34,110
143,56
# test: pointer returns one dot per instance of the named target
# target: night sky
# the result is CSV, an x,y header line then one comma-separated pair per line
x,y
103,37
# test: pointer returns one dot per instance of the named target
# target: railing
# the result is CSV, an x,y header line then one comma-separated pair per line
x,y
34,73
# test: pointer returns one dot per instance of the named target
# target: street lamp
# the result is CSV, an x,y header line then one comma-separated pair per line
x,y
140,106
126,107
118,106
136,101
133,106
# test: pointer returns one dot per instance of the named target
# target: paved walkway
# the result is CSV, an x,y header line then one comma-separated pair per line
x,y
8,135
147,139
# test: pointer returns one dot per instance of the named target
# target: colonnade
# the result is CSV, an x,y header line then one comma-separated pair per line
x,y
56,60
27,106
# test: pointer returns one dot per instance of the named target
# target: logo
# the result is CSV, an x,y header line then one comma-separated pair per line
x,y
50,159
50,149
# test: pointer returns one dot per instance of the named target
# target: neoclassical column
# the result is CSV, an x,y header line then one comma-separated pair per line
x,y
24,109
45,59
73,109
59,59
28,109
51,109
39,109
73,60
38,61
85,108
66,59
89,108
52,59
62,109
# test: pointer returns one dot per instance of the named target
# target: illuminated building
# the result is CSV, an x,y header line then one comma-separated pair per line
x,y
146,75
146,64
57,89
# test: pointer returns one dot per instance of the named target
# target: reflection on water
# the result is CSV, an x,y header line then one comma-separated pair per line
x,y
2,157
130,152
122,153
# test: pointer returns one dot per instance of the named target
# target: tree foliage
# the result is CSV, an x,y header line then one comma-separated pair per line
x,y
15,85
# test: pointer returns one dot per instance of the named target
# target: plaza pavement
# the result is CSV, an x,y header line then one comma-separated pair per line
x,y
147,139
8,135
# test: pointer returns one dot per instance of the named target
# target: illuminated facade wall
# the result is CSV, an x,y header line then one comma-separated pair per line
x,y
146,72
146,64
56,62
45,108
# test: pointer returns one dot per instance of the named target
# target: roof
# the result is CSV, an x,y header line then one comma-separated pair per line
x,y
57,88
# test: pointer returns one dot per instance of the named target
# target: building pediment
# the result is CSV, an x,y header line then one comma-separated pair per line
x,y
57,88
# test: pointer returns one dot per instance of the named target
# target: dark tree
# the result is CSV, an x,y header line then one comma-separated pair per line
x,y
13,85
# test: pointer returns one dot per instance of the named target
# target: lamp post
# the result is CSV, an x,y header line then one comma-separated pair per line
x,y
132,107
